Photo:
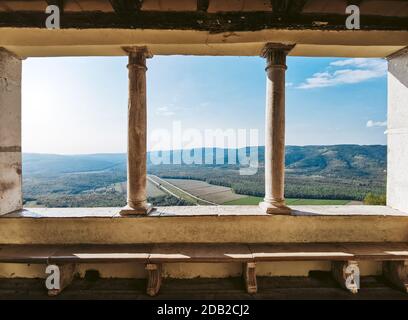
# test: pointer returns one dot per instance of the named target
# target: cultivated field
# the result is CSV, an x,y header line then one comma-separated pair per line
x,y
202,193
178,192
226,196
249,200
206,191
152,189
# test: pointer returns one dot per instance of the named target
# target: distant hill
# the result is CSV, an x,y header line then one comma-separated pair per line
x,y
336,160
53,164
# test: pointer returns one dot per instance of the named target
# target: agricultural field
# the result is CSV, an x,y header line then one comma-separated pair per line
x,y
226,196
154,191
120,187
177,192
249,200
206,191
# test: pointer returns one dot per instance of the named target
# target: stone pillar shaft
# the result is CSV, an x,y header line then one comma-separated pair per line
x,y
137,133
274,201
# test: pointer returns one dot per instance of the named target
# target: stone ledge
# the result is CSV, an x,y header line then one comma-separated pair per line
x,y
217,224
199,211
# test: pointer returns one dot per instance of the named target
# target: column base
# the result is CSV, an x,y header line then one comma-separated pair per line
x,y
277,209
128,210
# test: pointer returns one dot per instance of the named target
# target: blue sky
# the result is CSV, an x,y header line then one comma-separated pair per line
x,y
79,105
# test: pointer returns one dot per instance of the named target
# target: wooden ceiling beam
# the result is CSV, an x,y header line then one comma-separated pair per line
x,y
296,6
202,5
354,2
126,7
279,7
58,3
212,22
287,7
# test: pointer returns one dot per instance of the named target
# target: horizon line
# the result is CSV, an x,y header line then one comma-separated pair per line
x,y
236,148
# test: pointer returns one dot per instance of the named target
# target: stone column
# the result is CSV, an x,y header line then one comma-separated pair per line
x,y
274,201
137,127
11,198
397,171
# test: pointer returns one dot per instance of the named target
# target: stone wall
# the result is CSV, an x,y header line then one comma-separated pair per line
x,y
10,133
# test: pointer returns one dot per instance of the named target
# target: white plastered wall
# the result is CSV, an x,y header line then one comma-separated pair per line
x,y
397,176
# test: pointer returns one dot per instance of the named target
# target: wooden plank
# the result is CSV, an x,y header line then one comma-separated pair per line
x,y
200,253
288,7
377,251
299,252
202,5
102,253
204,252
296,6
26,253
126,7
58,3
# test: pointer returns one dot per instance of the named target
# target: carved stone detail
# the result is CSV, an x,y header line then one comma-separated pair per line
x,y
249,272
67,273
396,273
347,274
275,54
154,279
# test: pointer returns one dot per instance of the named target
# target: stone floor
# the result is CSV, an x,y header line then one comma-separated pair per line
x,y
319,285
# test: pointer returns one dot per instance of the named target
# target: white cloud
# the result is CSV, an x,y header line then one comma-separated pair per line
x,y
374,124
164,111
289,84
356,71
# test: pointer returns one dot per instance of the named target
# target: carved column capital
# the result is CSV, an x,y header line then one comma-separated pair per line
x,y
138,56
275,54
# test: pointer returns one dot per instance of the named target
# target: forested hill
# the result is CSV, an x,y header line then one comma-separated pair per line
x,y
312,172
336,160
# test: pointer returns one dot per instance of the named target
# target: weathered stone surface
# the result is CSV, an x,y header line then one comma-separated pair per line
x,y
274,201
396,274
137,131
10,182
347,275
10,132
10,100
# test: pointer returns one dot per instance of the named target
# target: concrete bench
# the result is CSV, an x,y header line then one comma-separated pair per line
x,y
344,258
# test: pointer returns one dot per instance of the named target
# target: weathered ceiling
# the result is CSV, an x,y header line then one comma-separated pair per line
x,y
214,27
210,15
